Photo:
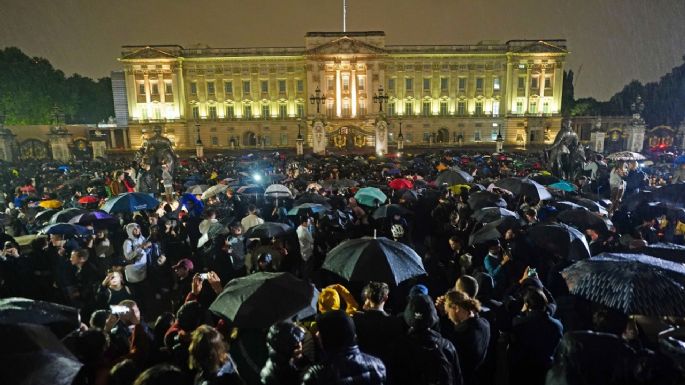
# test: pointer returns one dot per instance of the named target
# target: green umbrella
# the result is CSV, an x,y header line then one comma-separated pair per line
x,y
370,196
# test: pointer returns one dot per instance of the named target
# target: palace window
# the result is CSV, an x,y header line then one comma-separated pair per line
x,y
519,107
196,112
533,107
462,84
409,108
210,88
193,88
300,110
361,82
247,111
284,138
330,82
391,85
212,112
228,87
330,108
495,84
443,108
548,81
300,85
426,84
230,111
444,84
154,88
362,107
476,136
426,108
409,84
346,83
246,87
282,111
391,109
215,141
545,108
266,111
141,88
346,108
461,108
281,86
264,84
479,108
535,82
168,88
479,84
522,82
426,137
495,108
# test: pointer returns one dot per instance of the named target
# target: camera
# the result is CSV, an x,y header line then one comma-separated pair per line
x,y
119,309
204,276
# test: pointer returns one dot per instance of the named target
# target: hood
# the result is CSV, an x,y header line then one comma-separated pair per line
x,y
129,229
420,313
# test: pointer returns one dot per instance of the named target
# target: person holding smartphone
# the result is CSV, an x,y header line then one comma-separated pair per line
x,y
113,290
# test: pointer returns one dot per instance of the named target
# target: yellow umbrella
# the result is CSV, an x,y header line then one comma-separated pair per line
x,y
50,204
441,167
456,189
543,172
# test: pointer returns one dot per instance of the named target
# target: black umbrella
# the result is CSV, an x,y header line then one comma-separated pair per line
x,y
559,239
32,355
628,286
453,177
44,216
545,180
262,299
677,270
591,205
63,216
670,251
311,197
524,187
267,230
481,199
388,211
566,205
672,193
61,319
374,259
494,230
490,214
583,219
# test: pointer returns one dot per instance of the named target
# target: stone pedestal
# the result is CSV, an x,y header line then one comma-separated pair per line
x,y
318,137
597,141
499,145
299,146
199,150
59,145
7,145
99,148
636,137
381,136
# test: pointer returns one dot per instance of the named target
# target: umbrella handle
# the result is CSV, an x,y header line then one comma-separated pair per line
x,y
374,233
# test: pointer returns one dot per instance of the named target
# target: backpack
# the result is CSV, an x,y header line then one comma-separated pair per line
x,y
432,365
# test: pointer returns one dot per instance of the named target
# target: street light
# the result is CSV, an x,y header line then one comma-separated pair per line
x,y
380,98
400,138
500,138
299,144
318,99
199,147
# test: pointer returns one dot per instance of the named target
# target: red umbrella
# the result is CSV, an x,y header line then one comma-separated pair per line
x,y
88,199
400,183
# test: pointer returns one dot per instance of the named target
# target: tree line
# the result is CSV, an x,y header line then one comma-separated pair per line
x,y
664,100
30,88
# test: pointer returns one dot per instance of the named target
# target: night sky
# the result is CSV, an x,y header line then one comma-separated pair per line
x,y
615,41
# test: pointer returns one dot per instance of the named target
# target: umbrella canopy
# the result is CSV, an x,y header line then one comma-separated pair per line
x,y
307,208
278,191
262,299
214,191
628,286
566,205
374,259
311,197
267,230
50,204
591,205
672,193
130,202
88,199
676,270
481,199
94,218
66,229
370,196
625,156
251,189
679,160
32,355
44,216
65,215
494,230
583,219
452,177
545,179
490,214
524,187
400,183
61,319
559,239
388,211
563,186
197,189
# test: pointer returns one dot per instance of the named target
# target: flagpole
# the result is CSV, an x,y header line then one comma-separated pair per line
x,y
344,15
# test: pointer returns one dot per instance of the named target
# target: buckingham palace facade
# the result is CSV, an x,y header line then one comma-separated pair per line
x,y
437,95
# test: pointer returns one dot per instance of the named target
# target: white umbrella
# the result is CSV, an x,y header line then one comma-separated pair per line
x,y
278,191
626,155
214,190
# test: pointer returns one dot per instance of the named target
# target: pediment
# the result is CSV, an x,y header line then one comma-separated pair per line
x,y
149,53
541,47
345,45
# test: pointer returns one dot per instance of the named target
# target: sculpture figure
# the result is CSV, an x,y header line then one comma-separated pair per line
x,y
158,150
566,154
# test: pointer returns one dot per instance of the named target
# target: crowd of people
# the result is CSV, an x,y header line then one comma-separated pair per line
x,y
489,310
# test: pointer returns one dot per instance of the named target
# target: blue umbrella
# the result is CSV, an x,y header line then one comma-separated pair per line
x,y
307,207
65,229
197,206
563,186
679,160
370,196
130,202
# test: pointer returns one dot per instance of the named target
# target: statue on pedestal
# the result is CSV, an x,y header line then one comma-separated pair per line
x,y
158,150
566,154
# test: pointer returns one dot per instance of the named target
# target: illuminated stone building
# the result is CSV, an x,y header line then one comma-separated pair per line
x,y
439,95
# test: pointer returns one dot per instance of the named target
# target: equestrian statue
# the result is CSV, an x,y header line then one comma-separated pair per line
x,y
566,155
158,150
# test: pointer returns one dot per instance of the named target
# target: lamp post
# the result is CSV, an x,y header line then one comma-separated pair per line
x,y
317,99
299,143
400,138
380,98
199,147
500,139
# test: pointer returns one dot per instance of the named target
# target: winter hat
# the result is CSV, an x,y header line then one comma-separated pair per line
x,y
336,330
328,300
282,339
420,313
418,290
